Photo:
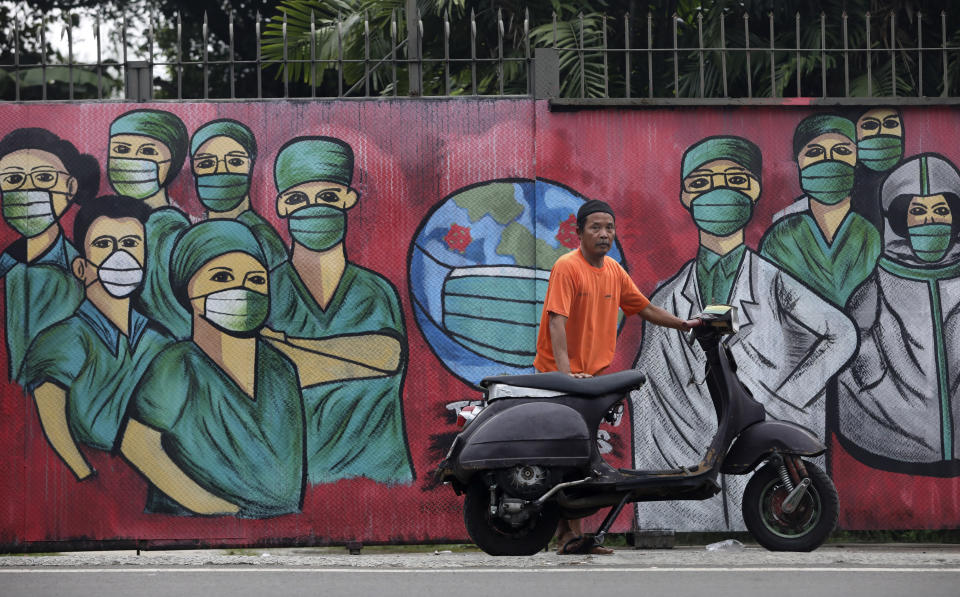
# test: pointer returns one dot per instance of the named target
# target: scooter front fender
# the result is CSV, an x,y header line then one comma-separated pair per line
x,y
542,432
761,439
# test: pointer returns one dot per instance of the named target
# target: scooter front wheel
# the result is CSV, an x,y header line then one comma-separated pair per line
x,y
804,529
498,537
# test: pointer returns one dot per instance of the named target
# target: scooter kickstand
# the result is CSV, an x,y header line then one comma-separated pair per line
x,y
608,521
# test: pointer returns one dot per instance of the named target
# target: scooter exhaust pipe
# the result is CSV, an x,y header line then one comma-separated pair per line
x,y
558,487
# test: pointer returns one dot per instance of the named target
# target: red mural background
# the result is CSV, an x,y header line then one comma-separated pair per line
x,y
410,155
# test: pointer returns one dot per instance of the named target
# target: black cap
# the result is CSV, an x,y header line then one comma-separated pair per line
x,y
592,206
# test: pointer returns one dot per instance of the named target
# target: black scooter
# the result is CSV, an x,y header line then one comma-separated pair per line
x,y
529,456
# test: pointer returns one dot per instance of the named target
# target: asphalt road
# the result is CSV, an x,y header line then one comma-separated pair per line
x,y
857,571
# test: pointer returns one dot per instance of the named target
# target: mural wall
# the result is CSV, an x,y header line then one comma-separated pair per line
x,y
234,324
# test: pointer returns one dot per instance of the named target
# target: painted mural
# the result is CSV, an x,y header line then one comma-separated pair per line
x,y
248,323
790,338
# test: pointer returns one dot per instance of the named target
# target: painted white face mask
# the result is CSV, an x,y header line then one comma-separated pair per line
x,y
237,311
120,274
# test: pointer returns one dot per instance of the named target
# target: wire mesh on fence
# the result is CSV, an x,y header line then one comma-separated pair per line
x,y
706,55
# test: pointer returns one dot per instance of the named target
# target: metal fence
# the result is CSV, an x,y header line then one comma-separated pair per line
x,y
583,59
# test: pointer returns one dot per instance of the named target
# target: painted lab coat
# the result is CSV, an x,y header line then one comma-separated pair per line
x,y
790,343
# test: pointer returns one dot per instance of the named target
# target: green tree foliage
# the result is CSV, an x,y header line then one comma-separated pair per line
x,y
340,30
29,61
359,47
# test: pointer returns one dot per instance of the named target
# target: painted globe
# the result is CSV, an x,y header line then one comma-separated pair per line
x,y
479,267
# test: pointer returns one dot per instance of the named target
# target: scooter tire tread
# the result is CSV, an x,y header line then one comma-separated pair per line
x,y
829,504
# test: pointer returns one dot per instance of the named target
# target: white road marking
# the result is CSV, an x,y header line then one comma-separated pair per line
x,y
577,569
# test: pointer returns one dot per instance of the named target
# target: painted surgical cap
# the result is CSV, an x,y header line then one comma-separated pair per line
x,y
157,124
735,149
308,159
225,128
206,241
920,176
812,127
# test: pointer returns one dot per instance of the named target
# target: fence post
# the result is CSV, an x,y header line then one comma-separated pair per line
x,y
137,82
413,48
546,73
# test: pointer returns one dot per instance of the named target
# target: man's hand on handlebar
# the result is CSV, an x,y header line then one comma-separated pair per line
x,y
580,375
691,323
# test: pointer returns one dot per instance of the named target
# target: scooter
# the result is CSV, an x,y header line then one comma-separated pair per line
x,y
528,457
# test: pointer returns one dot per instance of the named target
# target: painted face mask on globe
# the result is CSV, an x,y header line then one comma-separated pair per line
x,y
28,212
494,311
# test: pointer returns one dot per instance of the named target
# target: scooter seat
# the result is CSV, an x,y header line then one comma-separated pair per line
x,y
621,381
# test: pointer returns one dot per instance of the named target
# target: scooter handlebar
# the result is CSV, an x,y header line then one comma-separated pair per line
x,y
690,334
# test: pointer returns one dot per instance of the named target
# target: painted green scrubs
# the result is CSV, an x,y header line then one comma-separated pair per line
x,y
270,241
156,299
248,451
833,270
354,427
716,273
97,365
38,294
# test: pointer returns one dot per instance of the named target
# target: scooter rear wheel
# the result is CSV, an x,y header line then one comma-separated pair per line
x,y
498,537
804,529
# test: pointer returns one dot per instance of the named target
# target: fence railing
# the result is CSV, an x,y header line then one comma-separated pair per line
x,y
593,58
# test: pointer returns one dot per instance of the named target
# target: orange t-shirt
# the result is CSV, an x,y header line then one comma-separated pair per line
x,y
590,298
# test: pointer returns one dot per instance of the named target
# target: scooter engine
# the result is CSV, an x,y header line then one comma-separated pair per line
x,y
526,481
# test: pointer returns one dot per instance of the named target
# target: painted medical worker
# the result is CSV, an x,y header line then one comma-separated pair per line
x,y
898,403
826,244
41,175
790,340
216,424
339,322
82,371
147,149
222,156
879,149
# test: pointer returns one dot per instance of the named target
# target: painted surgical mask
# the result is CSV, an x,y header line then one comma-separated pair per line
x,y
134,177
28,212
318,227
222,192
120,274
930,242
494,311
237,311
881,152
722,211
828,182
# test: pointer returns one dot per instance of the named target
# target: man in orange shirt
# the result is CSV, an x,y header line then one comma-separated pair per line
x,y
578,328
